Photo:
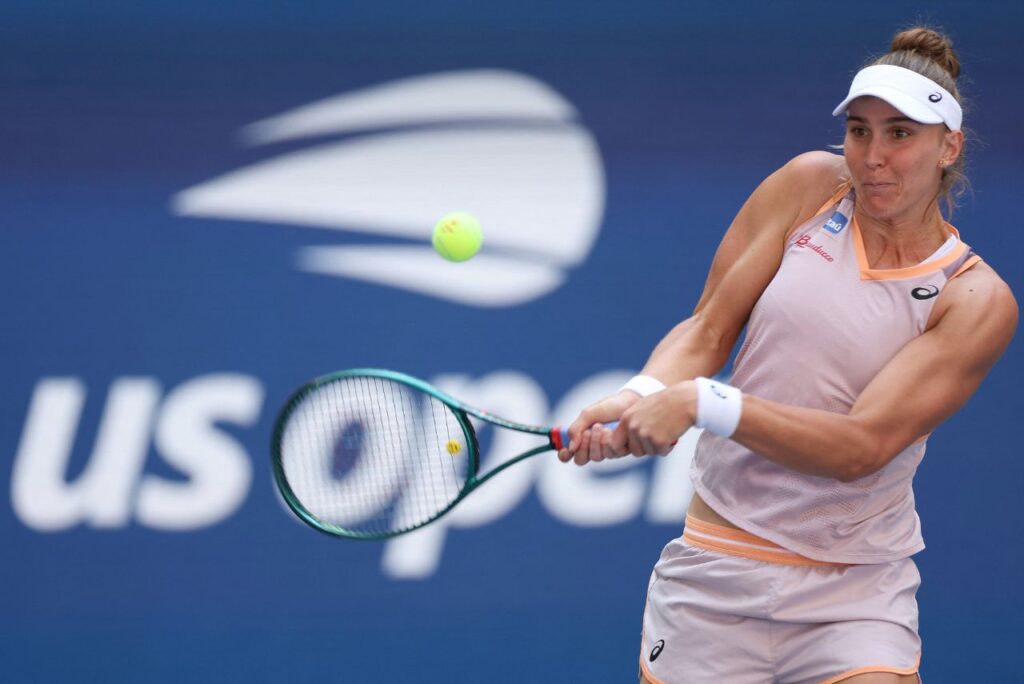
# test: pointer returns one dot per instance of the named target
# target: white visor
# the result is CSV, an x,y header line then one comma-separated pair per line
x,y
916,96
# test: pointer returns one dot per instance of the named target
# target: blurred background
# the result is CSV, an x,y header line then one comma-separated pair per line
x,y
206,204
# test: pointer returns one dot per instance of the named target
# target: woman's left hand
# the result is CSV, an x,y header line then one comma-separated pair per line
x,y
651,426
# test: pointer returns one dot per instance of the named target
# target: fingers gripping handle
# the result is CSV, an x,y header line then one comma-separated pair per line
x,y
560,436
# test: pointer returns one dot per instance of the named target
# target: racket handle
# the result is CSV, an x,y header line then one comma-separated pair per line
x,y
560,435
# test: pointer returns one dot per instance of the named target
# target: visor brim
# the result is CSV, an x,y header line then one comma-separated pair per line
x,y
906,104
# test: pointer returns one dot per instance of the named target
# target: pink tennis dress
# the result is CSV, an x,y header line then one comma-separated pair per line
x,y
817,586
824,327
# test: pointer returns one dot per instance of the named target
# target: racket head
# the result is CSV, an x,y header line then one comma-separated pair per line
x,y
371,454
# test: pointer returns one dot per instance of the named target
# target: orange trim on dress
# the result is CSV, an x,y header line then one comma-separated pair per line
x,y
877,668
732,533
966,266
735,542
835,199
647,673
868,273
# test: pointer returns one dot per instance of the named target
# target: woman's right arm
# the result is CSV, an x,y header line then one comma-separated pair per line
x,y
746,261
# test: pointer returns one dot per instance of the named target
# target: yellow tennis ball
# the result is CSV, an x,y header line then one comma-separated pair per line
x,y
454,447
457,236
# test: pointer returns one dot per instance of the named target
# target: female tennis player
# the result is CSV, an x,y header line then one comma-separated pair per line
x,y
869,322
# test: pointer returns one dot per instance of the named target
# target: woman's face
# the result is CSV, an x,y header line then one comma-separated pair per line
x,y
894,161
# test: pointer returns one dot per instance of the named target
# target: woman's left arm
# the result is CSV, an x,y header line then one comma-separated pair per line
x,y
923,385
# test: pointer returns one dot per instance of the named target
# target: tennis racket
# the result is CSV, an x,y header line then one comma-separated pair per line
x,y
371,454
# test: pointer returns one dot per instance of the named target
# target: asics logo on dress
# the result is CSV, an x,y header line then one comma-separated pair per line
x,y
656,651
926,292
387,161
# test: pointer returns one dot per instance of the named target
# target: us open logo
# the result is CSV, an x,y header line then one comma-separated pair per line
x,y
499,144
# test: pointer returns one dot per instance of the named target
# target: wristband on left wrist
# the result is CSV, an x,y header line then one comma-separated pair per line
x,y
644,385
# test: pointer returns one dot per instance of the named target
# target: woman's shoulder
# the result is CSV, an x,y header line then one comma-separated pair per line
x,y
817,174
819,163
811,179
983,302
981,282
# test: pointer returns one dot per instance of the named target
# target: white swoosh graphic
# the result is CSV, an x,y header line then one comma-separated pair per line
x,y
486,281
481,94
537,188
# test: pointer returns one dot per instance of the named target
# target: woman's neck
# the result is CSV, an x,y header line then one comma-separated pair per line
x,y
901,243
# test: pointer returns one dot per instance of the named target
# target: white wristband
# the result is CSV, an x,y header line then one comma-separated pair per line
x,y
644,385
718,407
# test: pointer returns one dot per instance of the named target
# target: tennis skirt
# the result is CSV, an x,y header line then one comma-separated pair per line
x,y
727,607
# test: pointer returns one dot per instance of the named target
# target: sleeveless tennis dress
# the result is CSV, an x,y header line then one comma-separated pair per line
x,y
817,585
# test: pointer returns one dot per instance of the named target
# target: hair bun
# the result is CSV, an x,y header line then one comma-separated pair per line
x,y
930,44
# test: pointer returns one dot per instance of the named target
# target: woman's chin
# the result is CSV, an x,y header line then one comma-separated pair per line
x,y
879,204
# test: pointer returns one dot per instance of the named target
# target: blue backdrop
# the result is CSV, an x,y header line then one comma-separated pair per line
x,y
206,204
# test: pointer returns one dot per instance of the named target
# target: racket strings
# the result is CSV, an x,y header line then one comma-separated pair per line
x,y
372,456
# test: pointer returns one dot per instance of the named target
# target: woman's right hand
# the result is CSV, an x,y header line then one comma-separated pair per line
x,y
585,431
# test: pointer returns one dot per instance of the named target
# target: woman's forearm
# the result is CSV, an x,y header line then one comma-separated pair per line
x,y
810,441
